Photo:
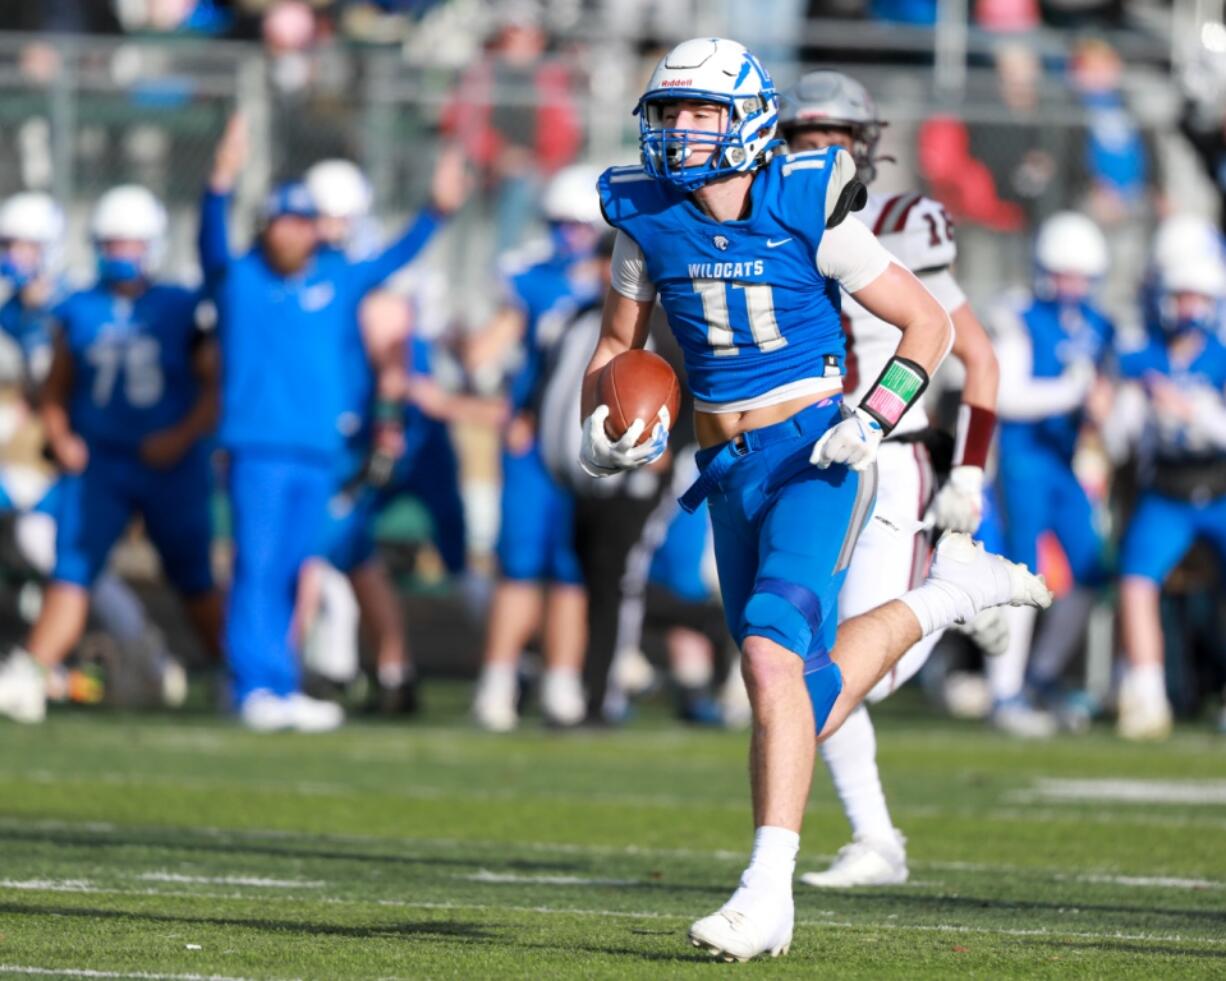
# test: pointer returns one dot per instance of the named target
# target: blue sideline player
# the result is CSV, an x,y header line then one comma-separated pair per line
x,y
544,287
747,251
1051,345
131,394
288,324
1181,371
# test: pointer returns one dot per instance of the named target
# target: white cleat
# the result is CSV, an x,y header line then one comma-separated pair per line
x,y
865,862
562,700
979,579
1144,712
734,936
1017,717
264,711
494,701
23,690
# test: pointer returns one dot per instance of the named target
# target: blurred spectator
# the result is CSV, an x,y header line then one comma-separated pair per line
x,y
1080,14
1203,120
923,12
1115,156
59,16
210,17
514,117
1007,15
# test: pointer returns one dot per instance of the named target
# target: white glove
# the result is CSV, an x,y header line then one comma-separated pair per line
x,y
600,456
852,441
958,505
989,630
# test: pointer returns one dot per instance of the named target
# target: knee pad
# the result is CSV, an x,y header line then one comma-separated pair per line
x,y
786,612
824,682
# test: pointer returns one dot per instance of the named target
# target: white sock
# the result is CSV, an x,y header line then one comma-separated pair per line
x,y
938,605
1007,673
851,757
1148,681
771,867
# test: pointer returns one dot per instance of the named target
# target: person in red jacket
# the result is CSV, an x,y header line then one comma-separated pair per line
x,y
514,117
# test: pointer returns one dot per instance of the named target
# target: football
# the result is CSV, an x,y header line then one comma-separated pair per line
x,y
636,385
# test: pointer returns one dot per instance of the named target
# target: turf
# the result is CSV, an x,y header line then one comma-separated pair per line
x,y
160,847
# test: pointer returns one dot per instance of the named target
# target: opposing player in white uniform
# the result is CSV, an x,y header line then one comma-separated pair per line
x,y
828,108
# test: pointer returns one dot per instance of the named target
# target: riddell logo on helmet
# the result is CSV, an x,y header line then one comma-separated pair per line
x,y
670,83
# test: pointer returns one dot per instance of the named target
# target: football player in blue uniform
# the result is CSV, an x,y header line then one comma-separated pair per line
x,y
289,332
1181,370
31,247
132,391
747,251
1051,345
545,285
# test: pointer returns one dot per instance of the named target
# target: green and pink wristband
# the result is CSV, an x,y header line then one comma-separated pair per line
x,y
898,387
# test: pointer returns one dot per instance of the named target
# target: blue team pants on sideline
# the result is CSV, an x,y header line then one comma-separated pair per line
x,y
1038,493
279,503
1162,530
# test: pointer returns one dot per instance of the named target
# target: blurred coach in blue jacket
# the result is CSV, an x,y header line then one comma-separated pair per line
x,y
287,315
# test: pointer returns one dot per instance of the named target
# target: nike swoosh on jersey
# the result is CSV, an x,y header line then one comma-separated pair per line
x,y
775,245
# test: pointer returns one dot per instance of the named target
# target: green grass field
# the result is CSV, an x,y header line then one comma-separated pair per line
x,y
154,847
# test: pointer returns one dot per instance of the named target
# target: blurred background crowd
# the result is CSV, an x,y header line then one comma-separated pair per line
x,y
1008,112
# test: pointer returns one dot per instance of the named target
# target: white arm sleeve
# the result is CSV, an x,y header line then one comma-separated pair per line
x,y
945,288
630,270
1023,397
851,254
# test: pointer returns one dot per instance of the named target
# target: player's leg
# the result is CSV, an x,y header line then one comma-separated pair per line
x,y
436,484
890,557
1064,625
1026,485
1159,534
781,603
517,607
379,604
278,506
564,633
93,512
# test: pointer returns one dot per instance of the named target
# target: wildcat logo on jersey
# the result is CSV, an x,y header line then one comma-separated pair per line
x,y
721,243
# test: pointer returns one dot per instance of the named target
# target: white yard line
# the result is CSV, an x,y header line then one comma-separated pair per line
x,y
86,972
232,880
488,875
1125,791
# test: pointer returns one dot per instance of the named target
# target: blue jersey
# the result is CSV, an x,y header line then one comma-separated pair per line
x,y
131,361
291,345
745,299
31,330
548,295
1059,334
1173,439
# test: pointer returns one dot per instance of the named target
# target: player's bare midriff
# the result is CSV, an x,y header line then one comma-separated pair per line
x,y
719,427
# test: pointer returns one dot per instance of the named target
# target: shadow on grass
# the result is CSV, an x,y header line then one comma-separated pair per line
x,y
946,903
423,930
1144,948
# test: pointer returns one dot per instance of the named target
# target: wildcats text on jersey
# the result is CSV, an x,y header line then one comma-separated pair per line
x,y
727,270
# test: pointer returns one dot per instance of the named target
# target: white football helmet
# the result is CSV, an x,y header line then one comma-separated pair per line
x,y
340,189
31,216
571,196
129,213
708,69
1071,244
1184,238
1205,276
830,98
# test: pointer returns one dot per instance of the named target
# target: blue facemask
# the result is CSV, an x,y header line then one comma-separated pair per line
x,y
116,269
563,244
17,275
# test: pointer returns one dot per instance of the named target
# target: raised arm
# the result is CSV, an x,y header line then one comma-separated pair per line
x,y
228,161
448,191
